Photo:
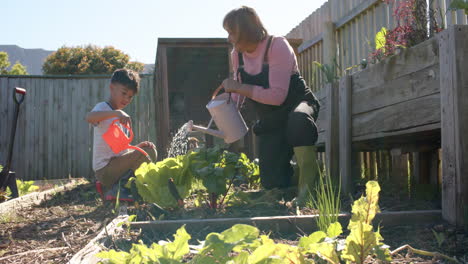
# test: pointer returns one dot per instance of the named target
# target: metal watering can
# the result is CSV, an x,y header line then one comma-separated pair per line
x,y
118,140
226,116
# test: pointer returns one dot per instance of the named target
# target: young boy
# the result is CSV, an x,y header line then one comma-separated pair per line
x,y
109,167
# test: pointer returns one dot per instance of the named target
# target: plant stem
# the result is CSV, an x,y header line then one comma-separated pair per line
x,y
424,253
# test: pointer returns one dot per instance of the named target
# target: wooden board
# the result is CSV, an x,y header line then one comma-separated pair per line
x,y
409,87
454,97
407,115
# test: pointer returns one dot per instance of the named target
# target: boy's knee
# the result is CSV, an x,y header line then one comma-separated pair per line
x,y
152,152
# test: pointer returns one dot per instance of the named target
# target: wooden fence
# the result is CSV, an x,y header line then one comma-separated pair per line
x,y
391,120
53,140
346,29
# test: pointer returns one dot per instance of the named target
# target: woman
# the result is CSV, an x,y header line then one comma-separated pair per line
x,y
266,72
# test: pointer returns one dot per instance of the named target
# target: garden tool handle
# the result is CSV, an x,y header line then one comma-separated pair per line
x,y
215,93
21,91
141,151
127,127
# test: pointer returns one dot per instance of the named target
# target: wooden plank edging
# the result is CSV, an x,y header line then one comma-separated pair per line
x,y
289,224
34,198
101,241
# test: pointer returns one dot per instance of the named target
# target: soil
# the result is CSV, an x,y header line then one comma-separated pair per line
x,y
55,230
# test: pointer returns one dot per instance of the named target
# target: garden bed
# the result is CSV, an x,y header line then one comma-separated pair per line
x,y
54,230
413,228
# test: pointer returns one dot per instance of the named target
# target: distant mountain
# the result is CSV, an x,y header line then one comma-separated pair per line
x,y
31,58
34,58
149,68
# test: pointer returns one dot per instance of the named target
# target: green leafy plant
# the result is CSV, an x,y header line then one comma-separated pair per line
x,y
170,253
24,187
330,71
244,240
126,223
362,240
213,168
459,4
440,237
326,200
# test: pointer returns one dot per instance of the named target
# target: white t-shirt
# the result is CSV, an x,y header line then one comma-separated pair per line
x,y
102,153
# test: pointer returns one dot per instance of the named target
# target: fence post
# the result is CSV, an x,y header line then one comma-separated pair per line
x,y
161,86
453,43
329,43
332,132
345,134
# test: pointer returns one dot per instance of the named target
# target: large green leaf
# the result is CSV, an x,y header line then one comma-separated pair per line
x,y
359,243
176,249
334,230
113,257
380,40
365,208
314,238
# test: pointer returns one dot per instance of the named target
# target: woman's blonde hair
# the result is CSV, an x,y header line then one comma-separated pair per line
x,y
245,22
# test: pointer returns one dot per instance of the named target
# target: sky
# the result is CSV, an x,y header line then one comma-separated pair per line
x,y
134,26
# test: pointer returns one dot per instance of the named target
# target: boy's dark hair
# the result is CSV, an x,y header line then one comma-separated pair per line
x,y
246,23
128,78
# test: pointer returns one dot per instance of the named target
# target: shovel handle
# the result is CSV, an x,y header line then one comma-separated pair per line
x,y
21,91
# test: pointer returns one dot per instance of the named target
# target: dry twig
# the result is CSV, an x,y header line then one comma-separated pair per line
x,y
33,251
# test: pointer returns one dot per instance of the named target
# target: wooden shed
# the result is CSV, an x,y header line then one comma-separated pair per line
x,y
188,70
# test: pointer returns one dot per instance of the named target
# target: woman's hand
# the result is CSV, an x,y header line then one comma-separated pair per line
x,y
233,86
124,118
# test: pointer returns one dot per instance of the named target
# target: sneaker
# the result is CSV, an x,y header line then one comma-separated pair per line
x,y
124,194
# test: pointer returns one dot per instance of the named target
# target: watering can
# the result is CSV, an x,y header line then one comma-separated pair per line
x,y
226,116
118,140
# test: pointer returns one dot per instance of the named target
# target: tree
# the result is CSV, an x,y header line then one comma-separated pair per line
x,y
17,69
86,60
136,66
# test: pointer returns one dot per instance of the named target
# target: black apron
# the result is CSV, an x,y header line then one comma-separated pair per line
x,y
275,152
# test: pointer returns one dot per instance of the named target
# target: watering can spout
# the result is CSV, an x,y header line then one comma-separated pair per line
x,y
216,133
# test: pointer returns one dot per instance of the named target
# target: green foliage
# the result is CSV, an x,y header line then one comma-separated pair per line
x,y
17,69
87,60
136,66
459,4
213,168
24,187
362,240
327,201
440,237
170,253
250,248
4,62
330,72
380,40
152,180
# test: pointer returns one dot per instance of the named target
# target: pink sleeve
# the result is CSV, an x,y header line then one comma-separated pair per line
x,y
281,60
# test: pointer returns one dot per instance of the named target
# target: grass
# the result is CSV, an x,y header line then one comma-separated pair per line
x,y
326,200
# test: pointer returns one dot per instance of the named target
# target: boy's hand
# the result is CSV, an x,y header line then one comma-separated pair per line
x,y
124,118
146,144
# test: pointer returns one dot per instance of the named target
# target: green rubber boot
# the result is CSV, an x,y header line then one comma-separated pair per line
x,y
306,158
